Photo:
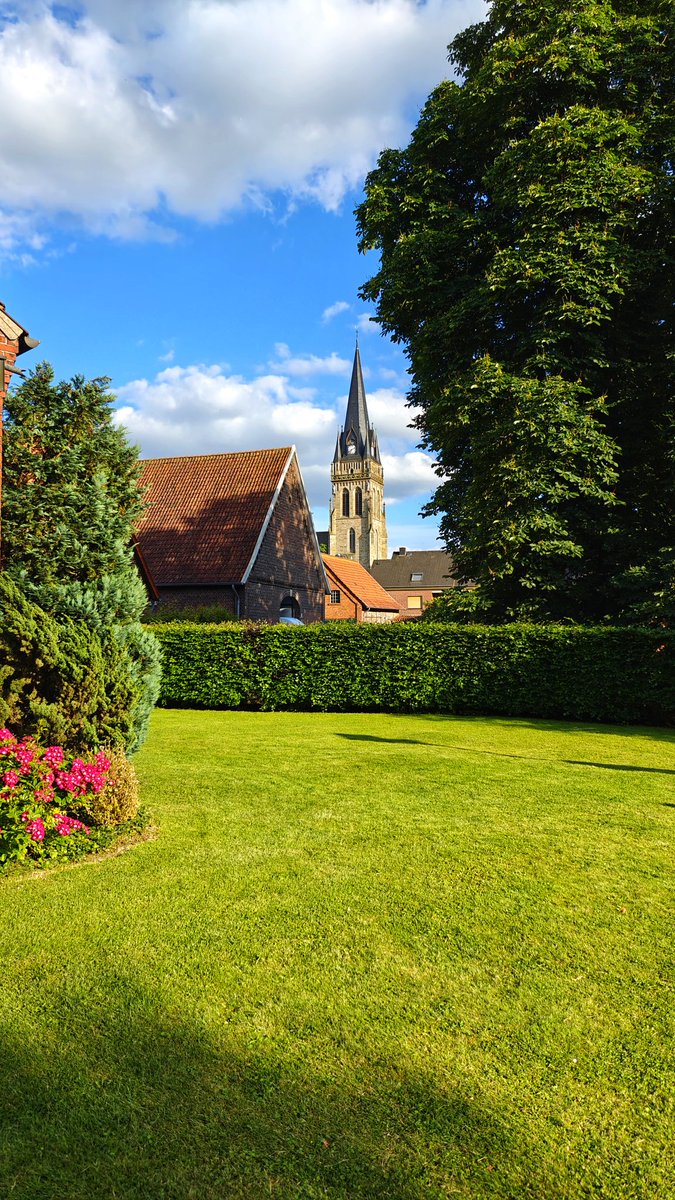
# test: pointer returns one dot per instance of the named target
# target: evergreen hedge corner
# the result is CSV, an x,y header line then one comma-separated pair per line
x,y
77,666
615,675
64,683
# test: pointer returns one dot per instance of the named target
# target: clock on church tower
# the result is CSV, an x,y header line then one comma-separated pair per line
x,y
358,527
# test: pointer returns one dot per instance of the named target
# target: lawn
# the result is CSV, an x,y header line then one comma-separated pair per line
x,y
366,956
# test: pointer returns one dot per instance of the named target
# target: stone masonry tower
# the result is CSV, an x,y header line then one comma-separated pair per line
x,y
358,527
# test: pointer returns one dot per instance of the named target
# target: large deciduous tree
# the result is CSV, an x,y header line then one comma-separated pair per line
x,y
76,664
527,265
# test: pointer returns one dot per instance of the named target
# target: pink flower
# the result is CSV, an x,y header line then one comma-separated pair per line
x,y
10,779
6,735
36,829
66,825
25,754
53,756
69,781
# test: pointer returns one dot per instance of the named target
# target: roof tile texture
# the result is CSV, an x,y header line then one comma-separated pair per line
x,y
352,576
206,513
435,566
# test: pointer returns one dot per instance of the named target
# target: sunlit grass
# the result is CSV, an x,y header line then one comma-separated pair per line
x,y
367,956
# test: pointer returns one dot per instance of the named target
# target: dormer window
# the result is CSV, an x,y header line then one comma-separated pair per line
x,y
417,577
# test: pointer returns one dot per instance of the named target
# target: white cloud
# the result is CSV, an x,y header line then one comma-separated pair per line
x,y
197,107
334,310
389,413
308,364
366,323
410,474
202,409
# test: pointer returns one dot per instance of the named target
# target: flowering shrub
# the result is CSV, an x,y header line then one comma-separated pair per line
x,y
40,789
118,801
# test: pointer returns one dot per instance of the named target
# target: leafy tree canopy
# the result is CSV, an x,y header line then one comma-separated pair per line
x,y
526,263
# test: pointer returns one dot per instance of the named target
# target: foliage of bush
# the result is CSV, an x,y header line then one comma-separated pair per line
x,y
77,667
117,802
63,681
199,614
566,672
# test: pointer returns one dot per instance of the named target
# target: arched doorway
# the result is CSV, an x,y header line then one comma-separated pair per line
x,y
289,607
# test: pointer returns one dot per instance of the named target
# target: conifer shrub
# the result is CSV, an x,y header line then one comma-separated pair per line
x,y
76,666
62,682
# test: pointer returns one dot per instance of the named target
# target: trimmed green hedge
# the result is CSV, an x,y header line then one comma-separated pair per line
x,y
568,672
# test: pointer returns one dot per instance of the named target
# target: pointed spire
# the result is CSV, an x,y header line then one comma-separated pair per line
x,y
357,431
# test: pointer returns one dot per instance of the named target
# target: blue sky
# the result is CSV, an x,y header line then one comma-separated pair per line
x,y
177,184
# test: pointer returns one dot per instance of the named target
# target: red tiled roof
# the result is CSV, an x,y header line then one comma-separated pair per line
x,y
206,513
354,578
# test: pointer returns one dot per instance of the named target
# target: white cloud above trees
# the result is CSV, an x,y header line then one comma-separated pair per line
x,y
131,114
202,409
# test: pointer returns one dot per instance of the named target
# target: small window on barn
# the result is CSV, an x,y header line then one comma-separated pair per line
x,y
335,597
358,502
345,503
352,541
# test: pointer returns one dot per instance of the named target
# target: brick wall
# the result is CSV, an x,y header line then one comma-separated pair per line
x,y
401,596
8,350
346,610
378,616
288,562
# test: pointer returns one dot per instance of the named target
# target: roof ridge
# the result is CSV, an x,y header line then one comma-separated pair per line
x,y
216,454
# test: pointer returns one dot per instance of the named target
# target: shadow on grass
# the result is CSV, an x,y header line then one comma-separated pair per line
x,y
659,733
121,1099
570,762
370,737
573,762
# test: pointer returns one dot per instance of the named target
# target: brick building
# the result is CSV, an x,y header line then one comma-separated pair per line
x,y
233,530
415,577
354,595
14,340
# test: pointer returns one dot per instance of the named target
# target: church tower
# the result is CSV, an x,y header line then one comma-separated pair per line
x,y
358,527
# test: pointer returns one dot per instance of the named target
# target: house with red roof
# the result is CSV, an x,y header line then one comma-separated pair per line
x,y
353,594
233,530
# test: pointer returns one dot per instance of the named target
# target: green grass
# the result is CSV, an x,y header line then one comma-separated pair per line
x,y
366,956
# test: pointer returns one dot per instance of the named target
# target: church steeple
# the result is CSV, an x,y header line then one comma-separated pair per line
x,y
358,528
357,438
